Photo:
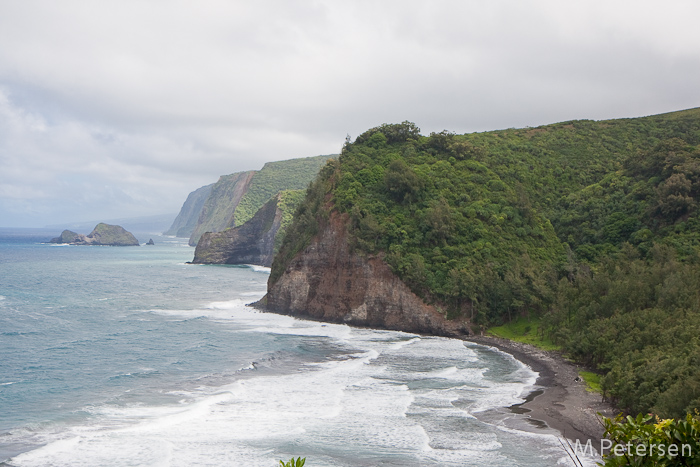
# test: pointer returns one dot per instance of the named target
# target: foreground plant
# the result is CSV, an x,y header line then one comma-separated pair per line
x,y
294,463
642,442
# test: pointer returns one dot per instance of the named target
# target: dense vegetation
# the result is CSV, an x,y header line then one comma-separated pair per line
x,y
294,174
591,226
287,203
644,442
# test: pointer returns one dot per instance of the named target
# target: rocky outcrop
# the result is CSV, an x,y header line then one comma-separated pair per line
x,y
329,282
67,236
251,243
102,234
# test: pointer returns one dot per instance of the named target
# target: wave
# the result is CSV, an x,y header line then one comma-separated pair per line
x,y
257,268
19,333
144,373
379,397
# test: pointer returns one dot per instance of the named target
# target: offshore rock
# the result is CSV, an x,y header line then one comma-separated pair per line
x,y
251,243
67,236
329,282
102,234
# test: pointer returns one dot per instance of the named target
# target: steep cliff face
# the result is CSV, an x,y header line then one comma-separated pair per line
x,y
251,243
186,220
235,198
329,282
218,209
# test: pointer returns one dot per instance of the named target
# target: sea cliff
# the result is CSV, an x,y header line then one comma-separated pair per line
x,y
218,209
251,243
234,199
329,281
186,220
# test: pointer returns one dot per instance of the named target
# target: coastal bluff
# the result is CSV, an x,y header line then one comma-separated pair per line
x,y
103,234
328,281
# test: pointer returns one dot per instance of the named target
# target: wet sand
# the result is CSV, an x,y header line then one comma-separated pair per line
x,y
560,400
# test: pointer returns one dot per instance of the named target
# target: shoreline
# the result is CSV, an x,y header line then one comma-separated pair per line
x,y
558,400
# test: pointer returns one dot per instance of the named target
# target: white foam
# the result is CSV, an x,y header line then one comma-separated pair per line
x,y
224,310
226,305
404,343
389,395
257,268
443,373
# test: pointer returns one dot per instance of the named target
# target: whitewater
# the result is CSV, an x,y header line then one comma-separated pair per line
x,y
131,357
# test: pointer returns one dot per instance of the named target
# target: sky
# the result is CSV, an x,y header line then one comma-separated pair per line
x,y
116,109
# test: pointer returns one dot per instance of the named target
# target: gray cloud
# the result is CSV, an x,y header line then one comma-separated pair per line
x,y
116,109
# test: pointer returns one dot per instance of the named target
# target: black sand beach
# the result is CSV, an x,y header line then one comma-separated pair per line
x,y
562,403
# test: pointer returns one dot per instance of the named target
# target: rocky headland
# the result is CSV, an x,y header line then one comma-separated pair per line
x,y
329,281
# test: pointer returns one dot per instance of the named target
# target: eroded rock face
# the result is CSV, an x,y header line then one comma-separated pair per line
x,y
329,282
251,243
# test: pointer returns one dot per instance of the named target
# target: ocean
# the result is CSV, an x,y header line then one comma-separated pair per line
x,y
129,356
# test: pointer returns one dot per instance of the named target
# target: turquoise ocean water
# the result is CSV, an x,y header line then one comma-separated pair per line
x,y
129,356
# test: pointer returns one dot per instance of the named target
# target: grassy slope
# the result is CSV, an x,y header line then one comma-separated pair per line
x,y
525,330
294,174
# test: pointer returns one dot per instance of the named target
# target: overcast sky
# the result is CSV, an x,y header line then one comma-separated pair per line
x,y
121,108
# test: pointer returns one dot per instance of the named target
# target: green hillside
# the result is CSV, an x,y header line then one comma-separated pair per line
x,y
590,225
294,174
288,202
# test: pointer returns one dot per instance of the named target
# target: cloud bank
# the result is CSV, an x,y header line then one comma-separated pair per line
x,y
118,109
